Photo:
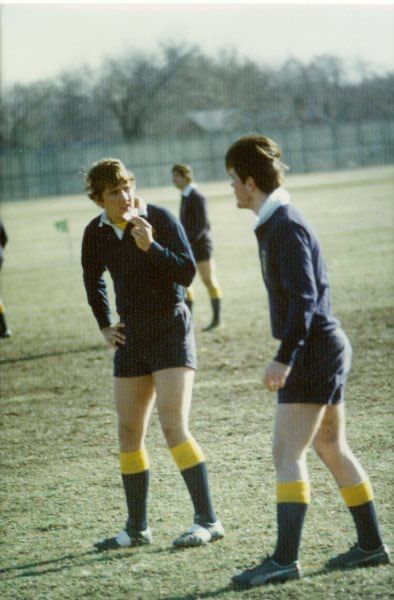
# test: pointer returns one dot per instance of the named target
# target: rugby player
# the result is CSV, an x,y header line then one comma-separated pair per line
x,y
150,261
194,218
5,332
308,372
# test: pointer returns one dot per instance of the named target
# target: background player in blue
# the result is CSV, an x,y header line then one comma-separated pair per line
x,y
150,262
308,372
194,218
5,332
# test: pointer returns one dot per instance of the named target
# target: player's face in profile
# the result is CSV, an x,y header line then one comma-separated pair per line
x,y
116,200
179,181
240,190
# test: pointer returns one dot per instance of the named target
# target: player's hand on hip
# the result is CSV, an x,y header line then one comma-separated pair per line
x,y
142,233
113,335
275,375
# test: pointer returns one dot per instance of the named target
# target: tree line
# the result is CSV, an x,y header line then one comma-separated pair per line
x,y
141,94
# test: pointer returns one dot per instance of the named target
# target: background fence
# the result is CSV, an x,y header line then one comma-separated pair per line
x,y
58,170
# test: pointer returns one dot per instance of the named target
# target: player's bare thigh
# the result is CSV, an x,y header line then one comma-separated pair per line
x,y
295,427
174,389
134,400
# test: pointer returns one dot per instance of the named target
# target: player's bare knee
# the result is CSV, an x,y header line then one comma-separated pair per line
x,y
173,431
285,456
280,450
130,431
328,447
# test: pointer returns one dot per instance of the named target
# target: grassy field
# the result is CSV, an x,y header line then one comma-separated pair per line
x,y
60,485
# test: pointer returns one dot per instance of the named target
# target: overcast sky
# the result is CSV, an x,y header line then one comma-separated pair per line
x,y
41,40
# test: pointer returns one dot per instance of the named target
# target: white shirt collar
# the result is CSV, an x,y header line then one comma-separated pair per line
x,y
277,198
104,220
188,189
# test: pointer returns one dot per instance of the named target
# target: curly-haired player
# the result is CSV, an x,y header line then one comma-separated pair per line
x,y
150,262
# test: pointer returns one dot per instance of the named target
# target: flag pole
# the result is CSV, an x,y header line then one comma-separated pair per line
x,y
63,227
70,245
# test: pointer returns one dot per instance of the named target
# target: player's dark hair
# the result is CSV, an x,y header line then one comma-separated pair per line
x,y
258,157
108,171
184,170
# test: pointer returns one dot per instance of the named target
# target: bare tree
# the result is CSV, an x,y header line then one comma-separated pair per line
x,y
23,118
142,94
129,87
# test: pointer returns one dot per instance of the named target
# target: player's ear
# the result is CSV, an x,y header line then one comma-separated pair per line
x,y
97,199
94,197
250,184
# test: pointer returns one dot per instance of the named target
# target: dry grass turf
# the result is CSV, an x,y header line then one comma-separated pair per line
x,y
61,490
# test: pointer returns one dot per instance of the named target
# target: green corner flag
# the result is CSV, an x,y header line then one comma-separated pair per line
x,y
62,226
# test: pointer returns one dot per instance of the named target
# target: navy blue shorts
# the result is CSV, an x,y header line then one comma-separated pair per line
x,y
162,341
320,370
202,250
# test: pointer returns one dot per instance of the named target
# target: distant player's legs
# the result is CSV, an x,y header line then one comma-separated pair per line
x,y
174,394
331,445
134,399
207,271
5,332
190,297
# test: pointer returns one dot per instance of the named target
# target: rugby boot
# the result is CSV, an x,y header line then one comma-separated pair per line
x,y
357,557
267,572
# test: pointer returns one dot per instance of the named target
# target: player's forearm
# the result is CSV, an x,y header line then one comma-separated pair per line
x,y
98,301
102,314
178,266
298,323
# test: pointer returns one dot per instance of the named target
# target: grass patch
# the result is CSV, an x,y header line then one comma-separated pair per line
x,y
61,489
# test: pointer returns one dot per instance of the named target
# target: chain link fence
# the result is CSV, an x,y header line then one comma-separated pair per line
x,y
58,171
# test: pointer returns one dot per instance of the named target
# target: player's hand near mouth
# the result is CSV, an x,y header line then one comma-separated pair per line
x,y
142,233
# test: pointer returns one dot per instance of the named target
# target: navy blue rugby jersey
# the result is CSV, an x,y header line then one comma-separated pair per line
x,y
296,278
145,283
193,214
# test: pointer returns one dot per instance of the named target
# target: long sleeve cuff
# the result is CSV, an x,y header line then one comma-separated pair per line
x,y
287,354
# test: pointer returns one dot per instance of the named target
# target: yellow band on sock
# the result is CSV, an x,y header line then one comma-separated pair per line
x,y
358,494
214,292
190,294
187,455
293,491
133,462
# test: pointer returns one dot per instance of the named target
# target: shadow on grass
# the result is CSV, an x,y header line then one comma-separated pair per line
x,y
68,561
42,563
229,588
49,354
214,593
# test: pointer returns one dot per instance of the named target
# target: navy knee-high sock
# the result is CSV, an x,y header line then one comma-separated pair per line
x,y
190,460
359,500
293,498
135,476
